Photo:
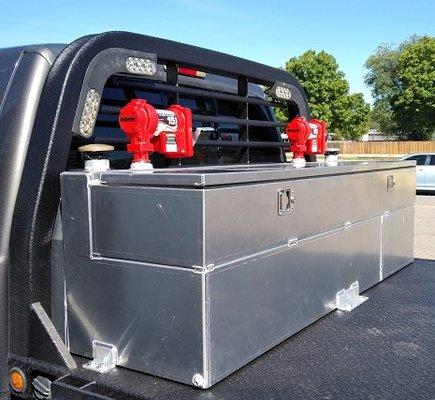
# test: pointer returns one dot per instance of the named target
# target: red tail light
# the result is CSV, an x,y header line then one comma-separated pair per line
x,y
193,73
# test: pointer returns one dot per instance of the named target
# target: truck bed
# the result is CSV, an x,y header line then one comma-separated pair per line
x,y
330,359
382,349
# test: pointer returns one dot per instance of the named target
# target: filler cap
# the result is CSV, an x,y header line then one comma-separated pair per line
x,y
95,156
96,148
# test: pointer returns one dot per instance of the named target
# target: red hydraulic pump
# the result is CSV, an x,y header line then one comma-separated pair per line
x,y
306,137
168,132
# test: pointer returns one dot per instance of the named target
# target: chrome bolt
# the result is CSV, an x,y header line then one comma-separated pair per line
x,y
198,381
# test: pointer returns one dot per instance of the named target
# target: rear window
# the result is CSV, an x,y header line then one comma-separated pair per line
x,y
421,159
107,129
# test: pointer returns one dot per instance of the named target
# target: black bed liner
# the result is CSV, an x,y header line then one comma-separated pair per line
x,y
381,350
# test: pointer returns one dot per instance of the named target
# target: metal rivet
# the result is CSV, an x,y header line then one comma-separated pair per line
x,y
198,380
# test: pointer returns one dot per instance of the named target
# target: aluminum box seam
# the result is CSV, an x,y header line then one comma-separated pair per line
x,y
261,254
244,260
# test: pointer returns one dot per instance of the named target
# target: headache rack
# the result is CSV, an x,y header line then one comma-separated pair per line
x,y
245,131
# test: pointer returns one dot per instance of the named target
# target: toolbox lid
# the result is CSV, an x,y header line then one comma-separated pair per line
x,y
200,177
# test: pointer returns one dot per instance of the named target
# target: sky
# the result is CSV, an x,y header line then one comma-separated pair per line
x,y
270,31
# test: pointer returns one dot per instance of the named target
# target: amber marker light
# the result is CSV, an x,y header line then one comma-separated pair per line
x,y
17,380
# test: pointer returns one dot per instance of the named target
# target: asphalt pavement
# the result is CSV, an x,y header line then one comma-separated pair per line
x,y
424,237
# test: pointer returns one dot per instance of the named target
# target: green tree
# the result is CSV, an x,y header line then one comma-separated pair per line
x,y
381,118
353,119
327,90
402,80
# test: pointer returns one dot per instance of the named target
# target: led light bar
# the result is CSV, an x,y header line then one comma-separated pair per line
x,y
280,91
283,93
142,66
89,114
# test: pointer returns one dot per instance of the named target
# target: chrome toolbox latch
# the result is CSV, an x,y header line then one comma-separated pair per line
x,y
391,183
286,201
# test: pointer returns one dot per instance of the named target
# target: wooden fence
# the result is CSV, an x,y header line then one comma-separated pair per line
x,y
383,147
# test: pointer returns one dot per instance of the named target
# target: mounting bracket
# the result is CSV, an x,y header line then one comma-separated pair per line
x,y
105,357
348,299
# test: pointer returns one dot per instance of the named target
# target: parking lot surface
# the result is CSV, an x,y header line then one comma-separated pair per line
x,y
424,237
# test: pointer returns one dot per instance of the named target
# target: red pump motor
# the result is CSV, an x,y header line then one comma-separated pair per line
x,y
306,137
168,132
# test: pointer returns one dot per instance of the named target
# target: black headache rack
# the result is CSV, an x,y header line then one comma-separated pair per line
x,y
228,101
98,63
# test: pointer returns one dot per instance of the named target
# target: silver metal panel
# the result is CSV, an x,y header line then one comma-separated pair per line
x,y
75,218
149,224
241,220
152,314
173,227
258,303
236,174
397,240
277,267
